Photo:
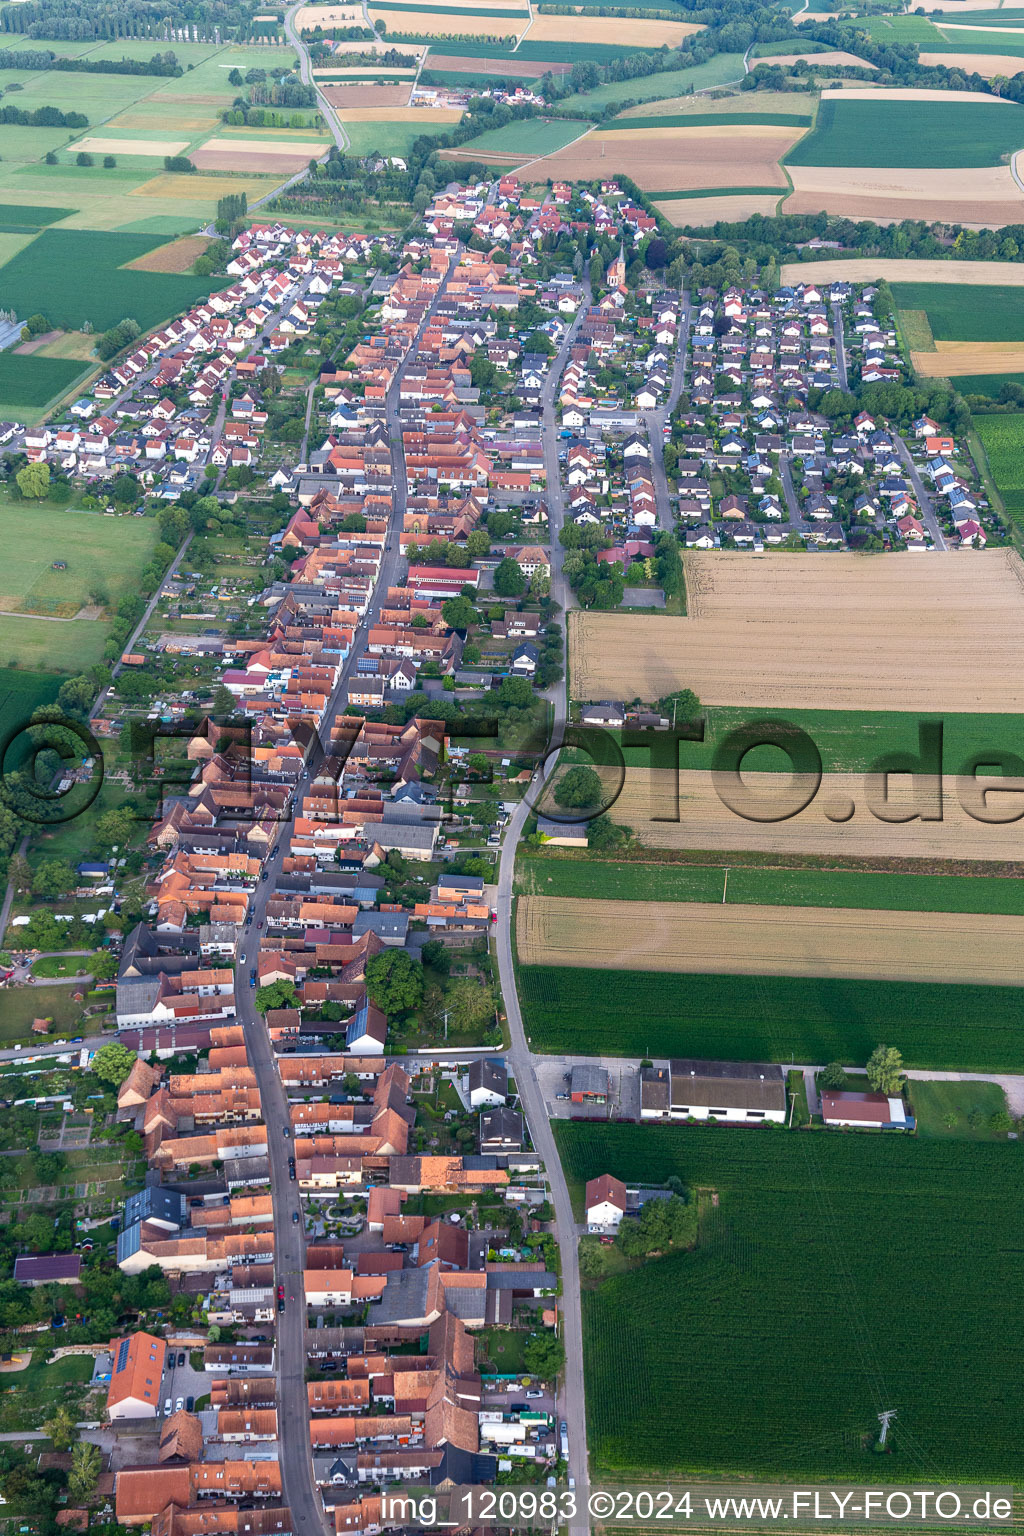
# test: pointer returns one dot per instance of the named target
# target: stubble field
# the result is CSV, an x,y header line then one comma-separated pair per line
x,y
986,196
860,269
836,942
806,631
679,158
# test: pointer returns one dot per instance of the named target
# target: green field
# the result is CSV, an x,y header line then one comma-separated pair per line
x,y
719,70
775,1018
610,880
711,120
896,29
837,1275
111,551
21,693
958,313
32,381
76,275
15,216
786,45
530,136
986,383
1002,437
533,53
849,741
911,133
695,196
20,1005
1010,43
390,138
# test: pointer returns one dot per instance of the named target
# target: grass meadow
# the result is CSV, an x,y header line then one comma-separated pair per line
x,y
776,1018
531,136
836,1273
613,880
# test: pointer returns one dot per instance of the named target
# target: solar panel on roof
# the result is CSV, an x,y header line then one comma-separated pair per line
x,y
122,1354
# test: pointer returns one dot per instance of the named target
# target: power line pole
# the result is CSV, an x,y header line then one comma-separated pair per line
x,y
885,1418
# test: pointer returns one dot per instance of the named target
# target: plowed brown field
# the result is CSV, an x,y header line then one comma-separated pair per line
x,y
843,631
678,159
705,821
177,256
771,941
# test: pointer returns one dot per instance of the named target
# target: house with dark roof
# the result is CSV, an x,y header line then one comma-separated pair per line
x,y
740,1092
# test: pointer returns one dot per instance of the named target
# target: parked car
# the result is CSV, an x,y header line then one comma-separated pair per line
x,y
295,1216
287,1131
181,1357
179,1405
280,1293
190,1403
167,1406
535,1394
280,1305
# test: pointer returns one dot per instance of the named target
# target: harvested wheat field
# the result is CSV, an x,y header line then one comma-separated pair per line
x,y
803,631
344,96
706,822
515,68
176,256
953,358
610,29
267,155
838,57
858,92
980,196
679,159
325,16
194,187
702,211
987,64
136,119
451,24
860,269
771,941
158,147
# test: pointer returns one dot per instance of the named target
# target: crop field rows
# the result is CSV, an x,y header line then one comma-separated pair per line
x,y
842,633
772,941
578,1011
814,1240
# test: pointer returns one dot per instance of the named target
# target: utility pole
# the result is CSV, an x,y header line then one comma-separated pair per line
x,y
885,1418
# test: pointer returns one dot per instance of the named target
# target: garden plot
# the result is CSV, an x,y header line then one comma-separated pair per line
x,y
836,942
801,631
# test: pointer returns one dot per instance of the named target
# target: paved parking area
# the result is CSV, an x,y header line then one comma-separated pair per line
x,y
181,1380
623,1086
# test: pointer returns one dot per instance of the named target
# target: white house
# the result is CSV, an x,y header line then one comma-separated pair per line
x,y
487,1083
605,1203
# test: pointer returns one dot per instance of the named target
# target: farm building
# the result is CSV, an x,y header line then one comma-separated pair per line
x,y
605,1201
47,1268
866,1111
588,1085
742,1092
564,834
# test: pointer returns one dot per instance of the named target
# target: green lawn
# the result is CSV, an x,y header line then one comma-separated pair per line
x,y
20,1005
98,550
960,1110
500,1350
755,886
836,1274
774,1018
911,133
959,313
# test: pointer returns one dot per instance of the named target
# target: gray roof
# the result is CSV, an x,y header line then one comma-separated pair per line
x,y
386,925
729,1084
491,1075
501,1124
588,1079
399,835
137,995
522,1280
155,1202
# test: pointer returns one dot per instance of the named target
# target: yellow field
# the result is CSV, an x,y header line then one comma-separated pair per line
x,y
108,146
610,29
838,57
198,187
430,24
701,211
771,941
803,632
858,92
981,196
950,359
987,64
706,822
858,269
311,16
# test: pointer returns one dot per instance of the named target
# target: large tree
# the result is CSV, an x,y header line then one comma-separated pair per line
x,y
112,1063
394,981
580,788
885,1069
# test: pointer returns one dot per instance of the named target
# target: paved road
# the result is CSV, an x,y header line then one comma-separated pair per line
x,y
521,1059
656,421
796,522
837,331
331,118
300,1489
924,499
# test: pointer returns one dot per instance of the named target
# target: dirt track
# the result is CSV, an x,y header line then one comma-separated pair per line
x,y
771,941
806,631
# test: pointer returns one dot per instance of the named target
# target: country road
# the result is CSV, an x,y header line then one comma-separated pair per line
x,y
331,118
